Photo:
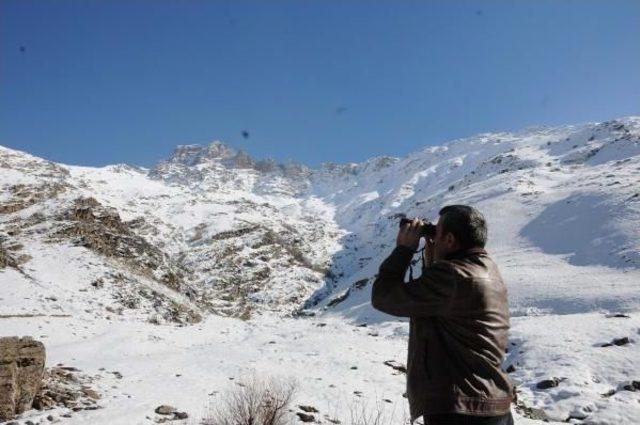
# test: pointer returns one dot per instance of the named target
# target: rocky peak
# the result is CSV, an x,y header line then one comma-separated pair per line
x,y
216,152
188,157
191,155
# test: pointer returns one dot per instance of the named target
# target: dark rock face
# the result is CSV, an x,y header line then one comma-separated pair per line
x,y
547,383
99,228
21,372
94,226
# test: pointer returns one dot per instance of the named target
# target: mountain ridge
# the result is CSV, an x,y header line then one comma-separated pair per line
x,y
287,236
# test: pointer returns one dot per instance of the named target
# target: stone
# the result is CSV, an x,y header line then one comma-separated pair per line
x,y
308,409
511,368
537,414
621,341
547,383
396,366
165,409
632,386
361,283
304,417
92,394
180,415
21,371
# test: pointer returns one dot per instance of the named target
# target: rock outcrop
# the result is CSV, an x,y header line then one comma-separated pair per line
x,y
21,371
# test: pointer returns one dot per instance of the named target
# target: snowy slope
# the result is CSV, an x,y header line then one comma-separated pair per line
x,y
107,254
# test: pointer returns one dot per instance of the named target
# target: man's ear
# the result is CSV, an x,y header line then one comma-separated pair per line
x,y
451,240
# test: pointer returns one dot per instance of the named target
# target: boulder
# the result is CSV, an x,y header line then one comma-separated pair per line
x,y
304,417
547,383
21,372
165,409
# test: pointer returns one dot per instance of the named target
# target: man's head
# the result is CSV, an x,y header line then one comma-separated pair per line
x,y
459,227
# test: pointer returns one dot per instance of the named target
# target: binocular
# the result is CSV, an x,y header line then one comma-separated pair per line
x,y
427,230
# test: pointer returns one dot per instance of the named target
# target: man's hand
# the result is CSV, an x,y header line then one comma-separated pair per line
x,y
409,234
429,252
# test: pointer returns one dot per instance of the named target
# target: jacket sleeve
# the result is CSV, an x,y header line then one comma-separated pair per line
x,y
429,295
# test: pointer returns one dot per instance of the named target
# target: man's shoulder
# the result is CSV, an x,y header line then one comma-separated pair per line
x,y
473,267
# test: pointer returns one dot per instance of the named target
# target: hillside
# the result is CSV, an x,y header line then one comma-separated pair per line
x,y
94,257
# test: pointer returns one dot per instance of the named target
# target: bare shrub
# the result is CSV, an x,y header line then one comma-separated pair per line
x,y
254,402
362,414
376,410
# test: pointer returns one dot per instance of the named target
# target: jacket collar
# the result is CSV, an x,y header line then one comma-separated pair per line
x,y
463,253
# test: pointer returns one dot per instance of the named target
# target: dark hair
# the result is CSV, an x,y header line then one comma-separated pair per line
x,y
466,223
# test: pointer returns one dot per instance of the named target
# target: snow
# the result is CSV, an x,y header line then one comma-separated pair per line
x,y
563,210
569,346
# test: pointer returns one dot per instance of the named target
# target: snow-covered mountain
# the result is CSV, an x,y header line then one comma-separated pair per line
x,y
212,231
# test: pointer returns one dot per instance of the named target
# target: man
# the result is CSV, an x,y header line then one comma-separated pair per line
x,y
459,322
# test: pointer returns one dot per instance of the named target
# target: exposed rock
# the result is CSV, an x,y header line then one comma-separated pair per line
x,y
396,366
66,386
92,394
305,417
21,370
100,229
308,409
631,386
531,412
621,341
165,409
360,283
340,298
548,383
6,259
180,415
617,341
23,196
90,224
608,393
9,254
620,315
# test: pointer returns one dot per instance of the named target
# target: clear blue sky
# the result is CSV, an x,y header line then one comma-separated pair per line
x,y
99,82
